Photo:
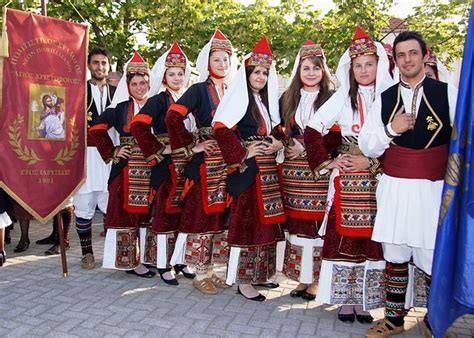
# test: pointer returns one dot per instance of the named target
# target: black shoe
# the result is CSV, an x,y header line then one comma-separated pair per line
x,y
269,285
46,240
364,319
167,281
180,268
55,249
3,257
259,298
22,246
308,296
148,266
148,274
297,293
346,317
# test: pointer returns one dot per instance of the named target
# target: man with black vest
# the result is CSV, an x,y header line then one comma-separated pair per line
x,y
93,193
411,127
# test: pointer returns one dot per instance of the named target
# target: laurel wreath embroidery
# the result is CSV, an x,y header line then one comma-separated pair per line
x,y
29,155
24,152
66,154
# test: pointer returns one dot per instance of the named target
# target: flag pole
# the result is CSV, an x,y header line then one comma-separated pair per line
x,y
44,9
59,215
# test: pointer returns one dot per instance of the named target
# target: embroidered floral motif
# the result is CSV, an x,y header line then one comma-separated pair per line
x,y
432,125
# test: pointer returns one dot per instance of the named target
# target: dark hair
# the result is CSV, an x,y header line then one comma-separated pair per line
x,y
354,86
435,70
132,75
99,51
263,94
409,35
43,99
291,96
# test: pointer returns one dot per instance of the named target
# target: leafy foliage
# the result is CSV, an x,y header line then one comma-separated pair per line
x,y
122,25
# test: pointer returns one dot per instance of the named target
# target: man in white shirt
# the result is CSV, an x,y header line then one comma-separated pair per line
x,y
93,193
411,126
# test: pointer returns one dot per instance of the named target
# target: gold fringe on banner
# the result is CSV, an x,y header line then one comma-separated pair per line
x,y
4,39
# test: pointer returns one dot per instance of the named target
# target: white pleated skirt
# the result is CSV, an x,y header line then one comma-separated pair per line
x,y
407,211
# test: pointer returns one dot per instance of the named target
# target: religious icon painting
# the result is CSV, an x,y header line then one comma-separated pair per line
x,y
47,115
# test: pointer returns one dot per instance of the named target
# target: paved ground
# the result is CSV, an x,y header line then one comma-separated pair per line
x,y
35,300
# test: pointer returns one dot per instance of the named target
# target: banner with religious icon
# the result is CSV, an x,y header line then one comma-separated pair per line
x,y
42,119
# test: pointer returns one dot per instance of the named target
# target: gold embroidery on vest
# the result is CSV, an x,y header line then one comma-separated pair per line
x,y
432,125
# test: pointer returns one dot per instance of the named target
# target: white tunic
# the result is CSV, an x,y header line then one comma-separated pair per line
x,y
97,172
305,109
407,209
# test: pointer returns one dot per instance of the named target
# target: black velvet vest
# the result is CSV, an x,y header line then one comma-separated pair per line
x,y
92,111
432,127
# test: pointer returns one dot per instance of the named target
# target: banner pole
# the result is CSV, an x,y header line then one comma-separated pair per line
x,y
59,222
44,9
59,215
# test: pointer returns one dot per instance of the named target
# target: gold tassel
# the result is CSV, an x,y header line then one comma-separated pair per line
x,y
4,39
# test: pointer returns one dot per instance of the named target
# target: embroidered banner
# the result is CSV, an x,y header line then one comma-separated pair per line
x,y
43,111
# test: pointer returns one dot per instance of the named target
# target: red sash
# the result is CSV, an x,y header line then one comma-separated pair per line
x,y
429,164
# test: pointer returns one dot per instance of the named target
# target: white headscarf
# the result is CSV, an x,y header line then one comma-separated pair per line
x,y
202,63
327,72
234,104
337,101
121,93
158,72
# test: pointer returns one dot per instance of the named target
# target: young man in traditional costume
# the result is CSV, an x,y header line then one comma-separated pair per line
x,y
93,192
411,128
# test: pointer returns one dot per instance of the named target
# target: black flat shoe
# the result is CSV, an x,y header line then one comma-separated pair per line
x,y
22,246
148,274
55,250
308,296
297,293
364,319
259,298
346,317
149,266
167,281
180,268
46,240
269,285
3,257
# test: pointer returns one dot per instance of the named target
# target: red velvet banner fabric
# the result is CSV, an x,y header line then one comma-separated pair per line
x,y
42,120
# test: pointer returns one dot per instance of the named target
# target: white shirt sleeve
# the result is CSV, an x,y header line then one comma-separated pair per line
x,y
327,115
452,100
372,138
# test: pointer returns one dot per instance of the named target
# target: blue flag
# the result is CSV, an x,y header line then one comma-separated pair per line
x,y
452,287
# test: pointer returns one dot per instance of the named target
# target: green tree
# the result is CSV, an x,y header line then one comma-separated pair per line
x,y
118,24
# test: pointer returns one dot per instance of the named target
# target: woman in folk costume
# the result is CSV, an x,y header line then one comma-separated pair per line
x,y
391,62
242,127
199,171
352,270
170,72
129,181
304,196
435,69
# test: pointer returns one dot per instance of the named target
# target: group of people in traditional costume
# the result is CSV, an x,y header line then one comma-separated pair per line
x,y
226,172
